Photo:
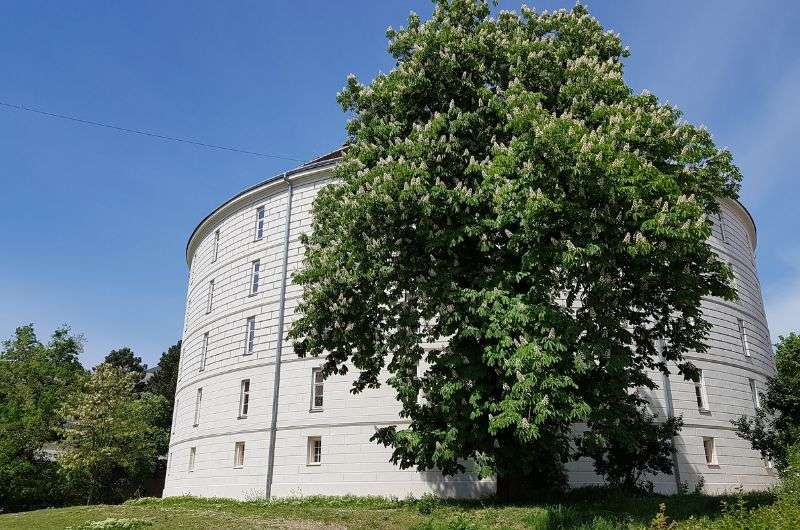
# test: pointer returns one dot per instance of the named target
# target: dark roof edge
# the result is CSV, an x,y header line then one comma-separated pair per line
x,y
327,160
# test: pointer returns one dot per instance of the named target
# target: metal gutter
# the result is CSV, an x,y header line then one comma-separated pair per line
x,y
276,384
676,470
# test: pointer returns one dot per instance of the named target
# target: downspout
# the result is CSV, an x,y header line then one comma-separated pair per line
x,y
276,386
670,414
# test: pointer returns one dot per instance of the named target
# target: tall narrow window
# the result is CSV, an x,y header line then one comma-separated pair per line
x,y
314,451
254,272
700,392
197,407
743,337
238,454
734,279
210,300
169,462
317,388
710,450
204,352
250,336
216,246
259,222
721,226
192,457
175,415
754,394
244,398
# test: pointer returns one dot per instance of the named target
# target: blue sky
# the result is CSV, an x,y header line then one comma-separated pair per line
x,y
93,222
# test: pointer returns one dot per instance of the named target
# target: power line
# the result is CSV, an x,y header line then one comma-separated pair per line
x,y
145,133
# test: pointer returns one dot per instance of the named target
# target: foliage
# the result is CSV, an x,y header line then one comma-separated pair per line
x,y
126,360
165,378
775,428
594,508
629,443
512,232
112,436
33,378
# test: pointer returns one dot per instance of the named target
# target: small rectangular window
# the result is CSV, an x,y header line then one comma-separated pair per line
x,y
721,227
238,455
250,336
254,273
710,450
743,337
317,387
314,451
204,352
169,462
216,246
754,393
192,457
700,392
244,398
259,222
197,407
210,300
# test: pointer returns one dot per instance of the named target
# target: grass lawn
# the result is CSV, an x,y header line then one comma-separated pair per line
x,y
589,509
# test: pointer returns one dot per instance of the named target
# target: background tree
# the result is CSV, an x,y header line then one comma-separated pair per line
x,y
504,187
775,428
125,360
165,379
34,377
112,436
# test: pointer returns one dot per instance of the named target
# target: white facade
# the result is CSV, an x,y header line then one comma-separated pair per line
x,y
220,443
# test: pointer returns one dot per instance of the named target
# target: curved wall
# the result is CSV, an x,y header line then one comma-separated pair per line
x,y
349,462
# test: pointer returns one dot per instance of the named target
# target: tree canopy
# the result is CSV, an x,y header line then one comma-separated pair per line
x,y
165,378
511,232
774,430
34,378
112,436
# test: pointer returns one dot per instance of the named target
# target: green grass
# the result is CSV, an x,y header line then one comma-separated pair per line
x,y
596,509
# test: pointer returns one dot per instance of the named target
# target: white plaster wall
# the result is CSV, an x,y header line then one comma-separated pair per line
x,y
351,464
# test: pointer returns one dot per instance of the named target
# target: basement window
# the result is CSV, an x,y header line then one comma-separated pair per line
x,y
314,451
238,455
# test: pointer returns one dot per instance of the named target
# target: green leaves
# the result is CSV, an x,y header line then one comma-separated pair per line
x,y
511,231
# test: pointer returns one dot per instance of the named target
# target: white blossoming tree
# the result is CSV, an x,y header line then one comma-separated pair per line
x,y
508,199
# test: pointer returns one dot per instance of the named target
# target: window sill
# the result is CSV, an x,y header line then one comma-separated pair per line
x,y
713,466
704,411
195,425
238,467
313,464
240,417
247,354
315,410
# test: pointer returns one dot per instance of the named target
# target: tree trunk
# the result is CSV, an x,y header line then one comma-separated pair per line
x,y
514,488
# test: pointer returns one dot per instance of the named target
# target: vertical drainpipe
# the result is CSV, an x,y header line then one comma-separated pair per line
x,y
670,414
273,428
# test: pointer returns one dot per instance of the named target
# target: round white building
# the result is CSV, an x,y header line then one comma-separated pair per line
x,y
253,420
